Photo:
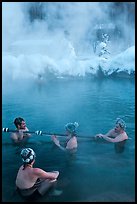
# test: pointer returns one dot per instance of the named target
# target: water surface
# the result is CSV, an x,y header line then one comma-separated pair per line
x,y
95,172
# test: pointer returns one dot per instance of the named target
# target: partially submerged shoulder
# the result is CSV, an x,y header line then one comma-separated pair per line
x,y
124,135
73,139
72,143
13,135
14,138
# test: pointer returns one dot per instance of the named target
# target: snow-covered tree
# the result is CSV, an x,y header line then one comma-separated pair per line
x,y
102,47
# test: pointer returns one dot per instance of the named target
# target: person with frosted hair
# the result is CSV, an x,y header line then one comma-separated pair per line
x,y
71,142
32,181
116,135
20,136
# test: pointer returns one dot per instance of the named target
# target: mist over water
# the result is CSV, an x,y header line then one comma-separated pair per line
x,y
57,38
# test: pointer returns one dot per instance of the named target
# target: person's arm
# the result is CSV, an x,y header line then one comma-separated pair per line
x,y
119,138
56,141
62,148
72,143
25,134
47,175
108,134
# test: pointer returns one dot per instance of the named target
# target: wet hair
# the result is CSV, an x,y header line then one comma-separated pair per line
x,y
28,156
18,121
71,127
121,123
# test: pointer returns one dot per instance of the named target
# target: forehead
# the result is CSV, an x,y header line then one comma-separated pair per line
x,y
23,122
117,125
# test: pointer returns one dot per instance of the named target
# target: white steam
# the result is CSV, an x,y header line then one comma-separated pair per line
x,y
62,42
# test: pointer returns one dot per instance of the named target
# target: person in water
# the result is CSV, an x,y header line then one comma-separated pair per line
x,y
18,137
116,135
71,142
33,181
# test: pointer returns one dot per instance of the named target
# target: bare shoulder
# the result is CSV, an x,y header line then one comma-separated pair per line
x,y
111,133
125,135
72,143
38,171
14,136
72,140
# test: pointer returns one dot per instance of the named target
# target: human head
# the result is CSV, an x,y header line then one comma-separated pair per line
x,y
71,127
121,123
20,123
28,155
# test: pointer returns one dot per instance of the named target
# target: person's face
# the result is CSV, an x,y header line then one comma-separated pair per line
x,y
67,132
117,128
23,125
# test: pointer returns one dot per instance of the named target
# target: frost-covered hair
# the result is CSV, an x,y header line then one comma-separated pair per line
x,y
121,123
28,155
71,127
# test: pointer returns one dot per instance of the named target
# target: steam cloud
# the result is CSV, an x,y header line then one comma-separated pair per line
x,y
46,42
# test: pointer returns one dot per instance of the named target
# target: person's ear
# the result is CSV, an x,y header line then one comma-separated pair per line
x,y
18,126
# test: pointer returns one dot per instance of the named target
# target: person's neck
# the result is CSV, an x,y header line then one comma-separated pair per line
x,y
69,136
19,129
121,131
30,165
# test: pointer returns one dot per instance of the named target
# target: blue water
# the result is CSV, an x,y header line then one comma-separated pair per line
x,y
95,172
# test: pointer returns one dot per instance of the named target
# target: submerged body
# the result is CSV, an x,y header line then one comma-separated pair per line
x,y
30,179
19,136
71,142
117,135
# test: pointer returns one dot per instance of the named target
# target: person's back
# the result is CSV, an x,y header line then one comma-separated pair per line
x,y
26,178
72,143
30,179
